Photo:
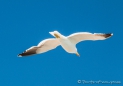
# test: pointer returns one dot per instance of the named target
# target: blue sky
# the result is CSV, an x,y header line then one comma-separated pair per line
x,y
24,23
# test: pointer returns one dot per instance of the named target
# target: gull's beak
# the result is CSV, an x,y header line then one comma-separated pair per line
x,y
54,34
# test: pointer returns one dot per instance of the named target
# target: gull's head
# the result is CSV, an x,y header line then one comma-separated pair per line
x,y
55,34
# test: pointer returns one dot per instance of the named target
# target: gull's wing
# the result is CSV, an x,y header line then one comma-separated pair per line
x,y
43,46
81,36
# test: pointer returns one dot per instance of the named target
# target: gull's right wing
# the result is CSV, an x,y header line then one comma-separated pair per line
x,y
81,36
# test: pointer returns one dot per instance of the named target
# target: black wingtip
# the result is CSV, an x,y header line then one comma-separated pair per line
x,y
19,55
108,35
26,53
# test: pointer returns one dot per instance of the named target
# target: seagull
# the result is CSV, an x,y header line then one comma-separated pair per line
x,y
68,43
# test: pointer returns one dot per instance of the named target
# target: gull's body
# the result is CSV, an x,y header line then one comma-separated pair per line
x,y
68,43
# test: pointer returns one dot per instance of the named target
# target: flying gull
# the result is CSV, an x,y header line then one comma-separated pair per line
x,y
68,43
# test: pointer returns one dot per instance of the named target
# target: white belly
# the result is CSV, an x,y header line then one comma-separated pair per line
x,y
68,46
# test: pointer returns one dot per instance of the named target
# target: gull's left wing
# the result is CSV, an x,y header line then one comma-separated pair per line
x,y
43,46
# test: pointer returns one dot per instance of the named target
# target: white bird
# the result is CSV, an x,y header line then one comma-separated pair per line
x,y
68,43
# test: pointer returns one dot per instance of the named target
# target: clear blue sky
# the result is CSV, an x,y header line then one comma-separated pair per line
x,y
24,23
